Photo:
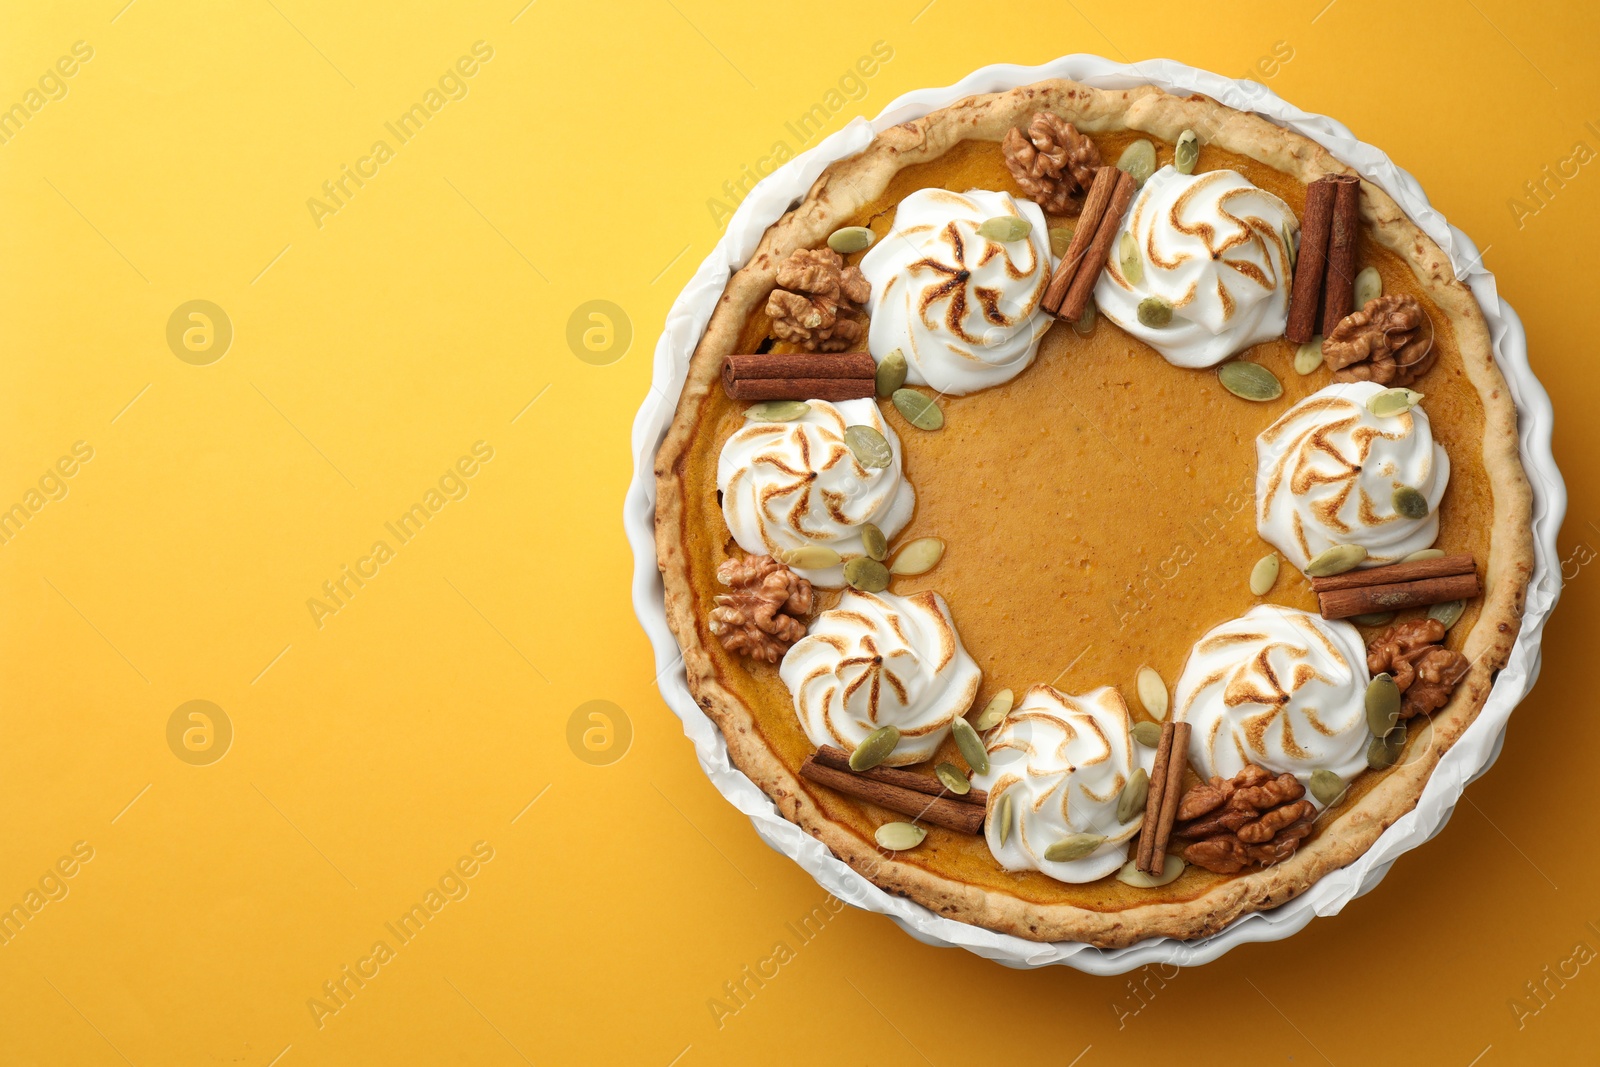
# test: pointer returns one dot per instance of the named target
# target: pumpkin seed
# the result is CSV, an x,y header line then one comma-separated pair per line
x,y
1393,402
869,446
1147,734
866,574
1187,152
1368,287
918,557
1004,815
1384,751
1154,312
1060,238
1005,228
1085,324
1335,559
1410,503
1425,553
875,748
850,239
1327,787
1073,847
1264,575
952,778
1132,799
1383,705
1448,612
810,557
1377,618
1308,357
997,709
1152,690
1139,160
899,836
891,374
1130,874
1129,260
1249,381
971,745
874,542
1290,249
776,411
919,411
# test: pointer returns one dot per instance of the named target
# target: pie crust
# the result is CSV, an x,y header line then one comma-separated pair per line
x,y
842,190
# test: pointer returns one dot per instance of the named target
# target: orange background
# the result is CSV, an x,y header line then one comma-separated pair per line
x,y
591,898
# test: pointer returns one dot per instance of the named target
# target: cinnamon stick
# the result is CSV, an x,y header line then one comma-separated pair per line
x,y
1339,286
1152,804
1094,208
799,376
1094,261
839,760
1310,266
1437,567
940,811
1177,763
1373,599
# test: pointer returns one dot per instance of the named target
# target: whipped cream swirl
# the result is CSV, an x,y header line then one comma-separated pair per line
x,y
1063,761
1212,246
1327,471
789,484
965,310
1280,688
881,660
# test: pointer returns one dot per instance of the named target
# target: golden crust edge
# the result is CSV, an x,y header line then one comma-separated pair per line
x,y
838,193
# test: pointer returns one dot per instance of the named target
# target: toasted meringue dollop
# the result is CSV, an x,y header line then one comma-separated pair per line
x,y
1280,688
789,484
1064,761
1327,471
878,660
964,309
1212,246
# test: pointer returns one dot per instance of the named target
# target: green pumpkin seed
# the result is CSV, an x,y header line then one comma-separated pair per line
x,y
776,411
1249,381
1139,160
1073,847
1368,287
1155,313
1290,249
850,239
1084,326
1187,152
866,574
952,778
870,447
918,410
1152,690
918,557
1377,618
1264,575
971,745
1130,874
1129,261
1410,503
1335,560
996,710
1131,800
899,836
1147,734
1448,612
1393,402
1005,228
810,557
1060,238
1004,815
874,542
1308,357
1327,787
1383,705
1384,751
891,374
1426,553
875,748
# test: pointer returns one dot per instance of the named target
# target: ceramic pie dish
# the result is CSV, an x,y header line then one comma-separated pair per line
x,y
1095,483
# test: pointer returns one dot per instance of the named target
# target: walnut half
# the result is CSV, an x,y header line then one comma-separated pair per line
x,y
1251,820
1054,164
1426,672
763,613
814,305
1390,341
